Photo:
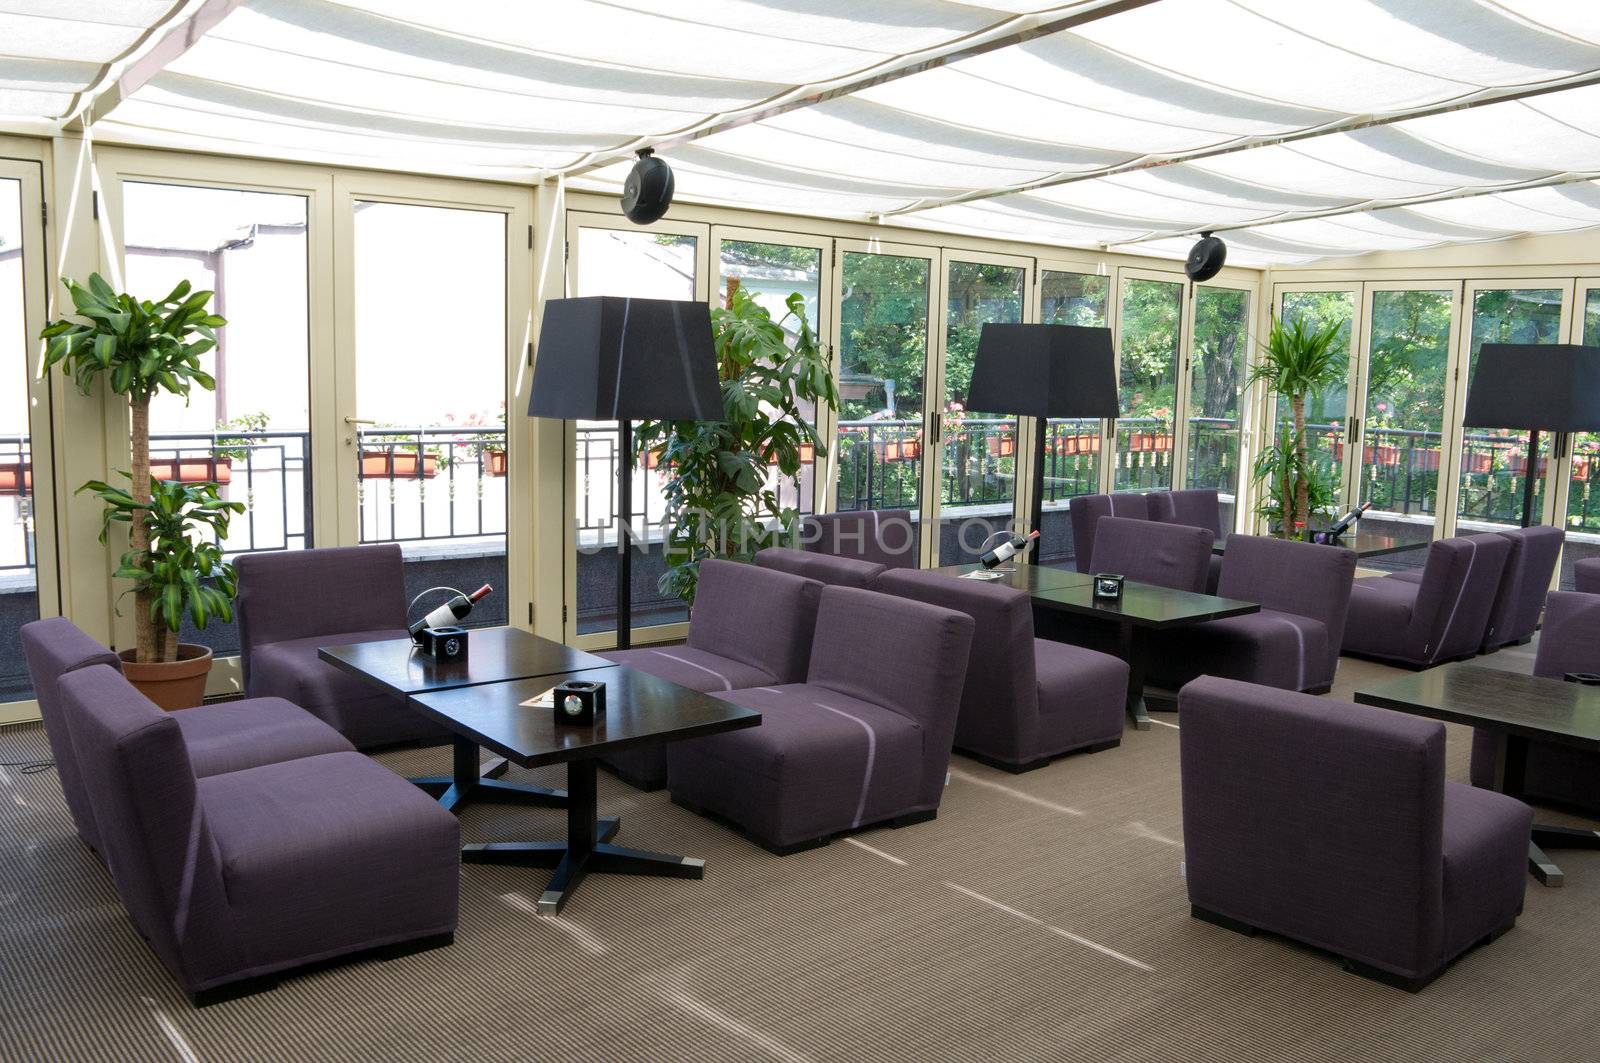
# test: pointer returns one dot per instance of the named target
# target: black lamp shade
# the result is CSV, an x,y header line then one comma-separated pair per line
x,y
1544,386
610,358
1045,371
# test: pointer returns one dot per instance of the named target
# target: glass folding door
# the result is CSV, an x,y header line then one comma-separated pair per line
x,y
1328,412
1582,518
1148,345
1218,356
1072,444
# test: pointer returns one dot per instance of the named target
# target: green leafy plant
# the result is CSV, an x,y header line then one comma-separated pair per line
x,y
237,448
1277,466
142,347
1297,361
718,499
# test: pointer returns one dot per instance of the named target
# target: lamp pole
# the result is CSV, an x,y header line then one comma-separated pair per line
x,y
1528,477
624,527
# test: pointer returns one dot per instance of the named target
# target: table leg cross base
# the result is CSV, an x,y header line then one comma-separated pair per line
x,y
1546,837
572,865
468,781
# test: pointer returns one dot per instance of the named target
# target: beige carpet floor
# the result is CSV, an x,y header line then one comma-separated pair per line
x,y
1040,917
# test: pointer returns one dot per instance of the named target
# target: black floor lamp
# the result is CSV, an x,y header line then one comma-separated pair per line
x,y
1044,371
608,358
1536,387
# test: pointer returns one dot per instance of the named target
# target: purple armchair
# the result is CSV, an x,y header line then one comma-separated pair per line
x,y
1085,512
1196,508
824,568
1292,643
865,739
1440,617
1523,585
237,877
1586,575
293,601
1167,555
1569,642
1025,700
1332,824
750,627
886,537
228,736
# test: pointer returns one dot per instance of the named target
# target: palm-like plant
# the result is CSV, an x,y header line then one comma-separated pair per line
x,y
1297,361
142,347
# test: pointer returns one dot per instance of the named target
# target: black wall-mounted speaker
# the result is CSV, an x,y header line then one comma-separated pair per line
x,y
1206,258
647,193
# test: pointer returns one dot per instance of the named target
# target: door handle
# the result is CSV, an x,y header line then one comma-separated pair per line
x,y
358,420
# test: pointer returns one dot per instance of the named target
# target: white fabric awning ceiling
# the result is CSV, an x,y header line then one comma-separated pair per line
x,y
1301,116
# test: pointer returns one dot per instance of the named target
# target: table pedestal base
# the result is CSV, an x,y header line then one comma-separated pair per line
x,y
468,781
585,850
1546,837
1134,648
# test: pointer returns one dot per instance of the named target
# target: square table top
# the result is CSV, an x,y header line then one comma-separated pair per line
x,y
1526,705
1028,578
494,655
640,709
1141,605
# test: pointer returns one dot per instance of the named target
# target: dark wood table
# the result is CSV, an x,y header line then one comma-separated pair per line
x,y
494,655
641,709
1364,543
1515,708
1142,608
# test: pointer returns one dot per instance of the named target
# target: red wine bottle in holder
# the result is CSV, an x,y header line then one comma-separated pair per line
x,y
452,612
1008,549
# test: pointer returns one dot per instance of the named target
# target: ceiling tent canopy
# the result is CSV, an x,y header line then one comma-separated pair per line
x,y
1301,130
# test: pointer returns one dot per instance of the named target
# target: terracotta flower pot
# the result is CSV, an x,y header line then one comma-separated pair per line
x,y
494,462
16,478
179,684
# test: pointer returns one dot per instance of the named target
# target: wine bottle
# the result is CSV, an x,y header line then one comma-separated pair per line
x,y
452,612
1348,519
1008,549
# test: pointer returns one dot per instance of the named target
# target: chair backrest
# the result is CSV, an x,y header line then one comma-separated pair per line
x,y
147,806
1570,639
1001,691
886,537
824,568
1197,507
1457,592
1523,583
1085,512
909,657
54,647
1315,818
300,594
757,616
1306,579
1167,555
1586,575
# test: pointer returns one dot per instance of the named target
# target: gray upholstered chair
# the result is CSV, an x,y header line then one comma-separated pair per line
x,y
886,537
1586,575
1569,642
1198,507
1523,584
1292,643
227,736
293,601
865,739
750,627
1439,617
238,877
824,568
1085,512
1025,700
1167,555
1332,824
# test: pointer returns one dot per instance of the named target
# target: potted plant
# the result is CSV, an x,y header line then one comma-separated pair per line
x,y
142,347
1296,362
717,490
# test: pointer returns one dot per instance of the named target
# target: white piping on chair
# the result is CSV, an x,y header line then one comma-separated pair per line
x,y
1444,636
727,684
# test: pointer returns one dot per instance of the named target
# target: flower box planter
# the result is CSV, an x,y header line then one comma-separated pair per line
x,y
192,470
906,450
494,462
398,465
16,478
1002,447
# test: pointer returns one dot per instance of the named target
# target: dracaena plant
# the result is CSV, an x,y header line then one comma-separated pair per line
x,y
1297,361
719,501
140,347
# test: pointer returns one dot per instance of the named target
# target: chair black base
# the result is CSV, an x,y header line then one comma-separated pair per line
x,y
1025,766
910,819
249,987
638,782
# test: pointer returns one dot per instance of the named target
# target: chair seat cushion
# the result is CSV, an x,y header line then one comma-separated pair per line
x,y
1270,647
1485,863
1379,607
327,853
236,735
1408,575
1082,696
820,763
354,707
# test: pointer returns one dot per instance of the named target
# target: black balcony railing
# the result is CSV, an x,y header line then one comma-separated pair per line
x,y
431,483
267,471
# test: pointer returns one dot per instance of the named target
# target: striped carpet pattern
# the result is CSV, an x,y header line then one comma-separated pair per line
x,y
1040,917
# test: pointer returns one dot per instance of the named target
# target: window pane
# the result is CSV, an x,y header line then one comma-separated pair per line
x,y
19,599
1326,410
432,469
1221,342
1406,370
771,273
883,349
1072,450
1152,315
253,433
979,475
1494,461
644,265
1583,496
